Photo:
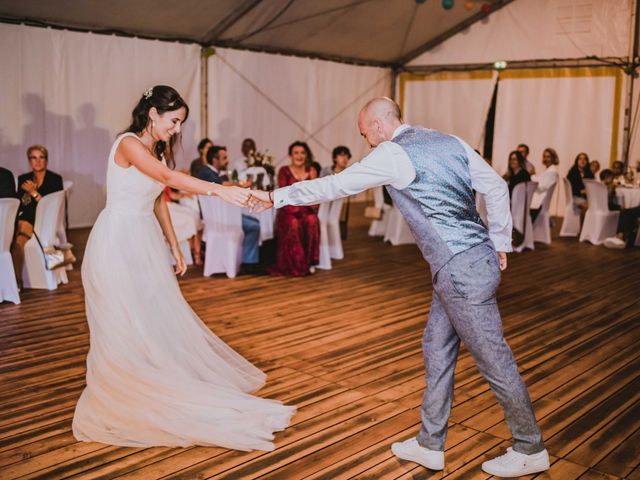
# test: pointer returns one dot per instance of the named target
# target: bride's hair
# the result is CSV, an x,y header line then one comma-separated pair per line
x,y
164,99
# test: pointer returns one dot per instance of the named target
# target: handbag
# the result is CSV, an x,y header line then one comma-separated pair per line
x,y
56,256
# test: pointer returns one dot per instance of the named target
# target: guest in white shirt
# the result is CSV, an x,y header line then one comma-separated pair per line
x,y
546,181
248,148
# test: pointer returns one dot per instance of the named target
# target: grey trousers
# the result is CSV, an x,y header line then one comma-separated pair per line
x,y
464,308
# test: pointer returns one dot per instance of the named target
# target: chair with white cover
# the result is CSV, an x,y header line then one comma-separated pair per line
x,y
398,232
8,284
599,222
541,227
330,240
520,204
323,217
49,217
379,227
571,221
223,235
67,185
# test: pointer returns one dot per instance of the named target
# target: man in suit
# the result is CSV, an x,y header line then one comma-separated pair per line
x,y
7,184
217,161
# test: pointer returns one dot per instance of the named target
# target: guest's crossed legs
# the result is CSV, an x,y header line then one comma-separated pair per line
x,y
464,308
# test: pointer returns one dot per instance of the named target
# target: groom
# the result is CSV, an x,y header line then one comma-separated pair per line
x,y
431,177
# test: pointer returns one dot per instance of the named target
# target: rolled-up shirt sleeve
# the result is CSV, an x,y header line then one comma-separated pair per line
x,y
486,181
387,164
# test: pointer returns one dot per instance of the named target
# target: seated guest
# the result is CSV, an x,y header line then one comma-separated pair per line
x,y
628,220
524,150
619,177
516,171
594,166
217,161
7,184
579,171
32,187
340,157
248,148
297,228
203,147
186,222
546,180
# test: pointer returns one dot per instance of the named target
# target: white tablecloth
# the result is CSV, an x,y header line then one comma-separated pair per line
x,y
628,197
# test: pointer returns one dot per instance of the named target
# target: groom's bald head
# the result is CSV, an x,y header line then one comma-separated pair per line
x,y
378,119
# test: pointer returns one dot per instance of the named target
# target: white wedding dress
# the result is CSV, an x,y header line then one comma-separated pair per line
x,y
156,375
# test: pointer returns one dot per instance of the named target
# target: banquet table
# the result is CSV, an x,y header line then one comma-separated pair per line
x,y
628,197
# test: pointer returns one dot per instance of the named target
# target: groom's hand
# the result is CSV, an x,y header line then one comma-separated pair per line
x,y
502,257
260,201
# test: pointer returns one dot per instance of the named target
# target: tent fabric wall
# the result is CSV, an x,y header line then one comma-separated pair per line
x,y
540,29
73,92
452,102
276,100
570,110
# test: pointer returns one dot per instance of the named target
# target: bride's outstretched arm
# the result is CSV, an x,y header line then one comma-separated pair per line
x,y
133,152
162,214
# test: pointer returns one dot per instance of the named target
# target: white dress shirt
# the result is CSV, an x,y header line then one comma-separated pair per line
x,y
545,181
389,164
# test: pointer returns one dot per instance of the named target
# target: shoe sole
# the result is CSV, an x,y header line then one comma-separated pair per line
x,y
529,471
415,459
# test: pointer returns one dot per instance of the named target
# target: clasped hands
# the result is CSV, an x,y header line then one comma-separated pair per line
x,y
256,200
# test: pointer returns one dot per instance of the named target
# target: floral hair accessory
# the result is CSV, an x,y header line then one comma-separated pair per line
x,y
147,94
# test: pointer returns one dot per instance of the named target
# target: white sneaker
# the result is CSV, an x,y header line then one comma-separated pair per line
x,y
514,464
410,450
614,242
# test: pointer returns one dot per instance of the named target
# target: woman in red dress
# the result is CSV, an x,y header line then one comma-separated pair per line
x,y
297,228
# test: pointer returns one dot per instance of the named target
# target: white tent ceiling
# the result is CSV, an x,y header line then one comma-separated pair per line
x,y
375,32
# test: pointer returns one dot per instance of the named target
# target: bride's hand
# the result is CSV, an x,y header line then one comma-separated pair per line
x,y
260,201
181,264
235,195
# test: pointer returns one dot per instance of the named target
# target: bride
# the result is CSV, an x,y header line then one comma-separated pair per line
x,y
156,375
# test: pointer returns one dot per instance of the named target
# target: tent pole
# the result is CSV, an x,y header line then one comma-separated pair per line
x,y
630,70
205,53
204,92
394,82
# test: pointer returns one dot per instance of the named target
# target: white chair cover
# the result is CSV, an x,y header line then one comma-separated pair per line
x,y
599,222
379,227
8,284
323,217
67,185
541,227
571,221
520,196
49,218
398,232
330,240
223,236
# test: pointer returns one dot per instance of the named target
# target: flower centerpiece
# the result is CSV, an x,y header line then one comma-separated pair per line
x,y
264,160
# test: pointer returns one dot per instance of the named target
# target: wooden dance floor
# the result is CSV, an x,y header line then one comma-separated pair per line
x,y
344,346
